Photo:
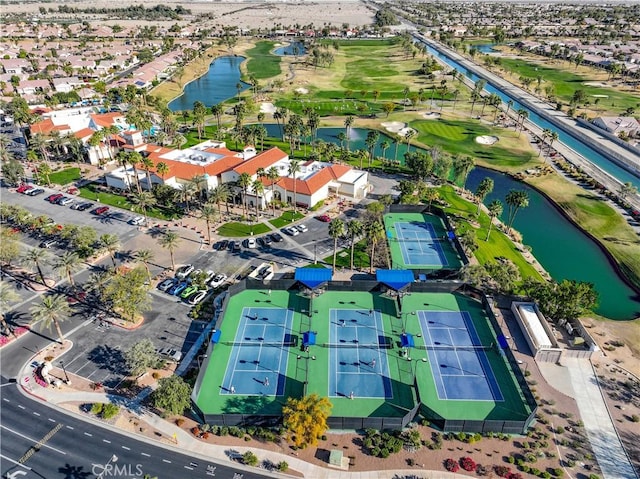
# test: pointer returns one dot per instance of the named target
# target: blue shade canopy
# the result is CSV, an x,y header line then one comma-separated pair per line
x,y
502,341
313,277
308,338
395,279
406,340
215,337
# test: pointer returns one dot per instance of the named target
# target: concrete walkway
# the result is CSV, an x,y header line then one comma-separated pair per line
x,y
577,379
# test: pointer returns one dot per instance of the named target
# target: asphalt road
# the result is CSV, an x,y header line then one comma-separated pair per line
x,y
70,448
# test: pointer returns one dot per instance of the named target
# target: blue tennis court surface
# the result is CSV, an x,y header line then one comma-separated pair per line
x,y
419,244
458,373
357,364
258,361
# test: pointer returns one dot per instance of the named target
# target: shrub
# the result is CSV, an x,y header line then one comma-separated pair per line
x,y
48,358
411,462
468,464
249,458
155,375
96,408
482,470
247,438
511,459
514,475
451,465
545,475
283,466
110,410
559,430
501,471
635,418
558,472
195,430
179,422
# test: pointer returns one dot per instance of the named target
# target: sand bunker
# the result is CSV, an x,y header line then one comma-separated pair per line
x,y
486,139
267,107
302,91
405,131
432,115
595,83
393,126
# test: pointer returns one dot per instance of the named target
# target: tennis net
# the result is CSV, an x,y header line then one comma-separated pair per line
x,y
455,348
264,344
358,345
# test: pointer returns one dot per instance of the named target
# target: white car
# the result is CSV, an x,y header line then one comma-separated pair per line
x,y
218,280
184,271
210,275
251,243
197,297
291,231
137,221
166,284
170,353
301,228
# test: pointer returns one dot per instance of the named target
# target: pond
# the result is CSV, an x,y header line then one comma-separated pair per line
x,y
293,48
218,84
560,246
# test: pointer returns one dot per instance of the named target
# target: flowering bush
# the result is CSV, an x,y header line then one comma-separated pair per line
x,y
17,332
451,465
502,471
468,464
513,475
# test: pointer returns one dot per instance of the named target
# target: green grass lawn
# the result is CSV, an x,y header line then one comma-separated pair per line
x,y
565,83
90,192
66,176
498,244
286,218
360,256
262,63
236,229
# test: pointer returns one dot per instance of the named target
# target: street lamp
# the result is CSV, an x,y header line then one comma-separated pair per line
x,y
200,358
106,467
315,252
404,319
66,377
415,366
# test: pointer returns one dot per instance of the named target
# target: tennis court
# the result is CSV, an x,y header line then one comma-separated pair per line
x,y
258,360
459,362
358,365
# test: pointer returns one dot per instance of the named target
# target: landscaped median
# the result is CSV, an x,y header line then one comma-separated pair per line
x,y
93,193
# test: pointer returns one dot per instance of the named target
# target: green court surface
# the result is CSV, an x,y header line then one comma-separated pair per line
x,y
403,249
310,372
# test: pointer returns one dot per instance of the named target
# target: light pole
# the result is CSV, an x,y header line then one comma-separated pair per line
x,y
404,319
106,467
200,358
315,252
415,366
66,377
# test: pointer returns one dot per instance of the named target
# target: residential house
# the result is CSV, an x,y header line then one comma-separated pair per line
x,y
619,124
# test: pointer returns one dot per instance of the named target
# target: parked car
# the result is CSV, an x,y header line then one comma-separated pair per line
x,y
236,246
218,280
251,243
166,284
137,220
184,271
53,198
261,242
82,206
324,218
49,243
277,237
188,291
264,272
291,231
100,210
178,288
267,240
223,245
34,192
23,188
171,354
301,228
210,275
198,297
65,201
231,246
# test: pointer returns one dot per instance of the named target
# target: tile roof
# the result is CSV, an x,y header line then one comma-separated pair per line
x,y
315,182
106,119
186,171
262,160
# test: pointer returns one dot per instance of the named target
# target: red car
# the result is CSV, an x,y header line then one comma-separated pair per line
x,y
23,188
54,198
324,218
101,210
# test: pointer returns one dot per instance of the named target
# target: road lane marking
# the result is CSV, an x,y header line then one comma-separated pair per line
x,y
125,447
145,454
69,427
187,467
5,399
167,461
21,406
107,441
34,440
14,462
36,413
88,434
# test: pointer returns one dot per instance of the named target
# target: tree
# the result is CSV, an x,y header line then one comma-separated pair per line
x,y
484,188
336,229
217,110
143,201
170,240
209,214
273,176
305,419
112,244
145,256
67,264
7,296
375,231
627,189
13,171
162,168
9,245
348,123
53,310
419,164
495,210
258,190
173,395
515,199
36,257
294,168
566,300
141,356
354,229
244,182
462,166
127,292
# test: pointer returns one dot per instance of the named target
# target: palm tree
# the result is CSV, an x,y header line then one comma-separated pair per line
x,y
462,166
430,195
370,141
545,134
484,188
375,232
516,199
142,201
145,256
7,296
354,229
36,257
408,135
67,264
53,310
348,122
112,244
273,175
170,241
384,146
209,214
187,190
553,136
244,181
336,229
147,165
162,168
217,111
220,193
258,190
495,210
294,168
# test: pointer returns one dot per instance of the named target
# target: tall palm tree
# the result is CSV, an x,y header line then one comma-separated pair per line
x,y
375,232
209,214
495,210
142,201
170,241
354,229
36,257
67,264
219,194
258,190
7,296
545,134
348,123
112,244
294,168
217,110
52,311
516,199
187,190
244,181
484,188
336,229
384,146
462,166
162,169
553,136
407,136
145,256
147,165
273,175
